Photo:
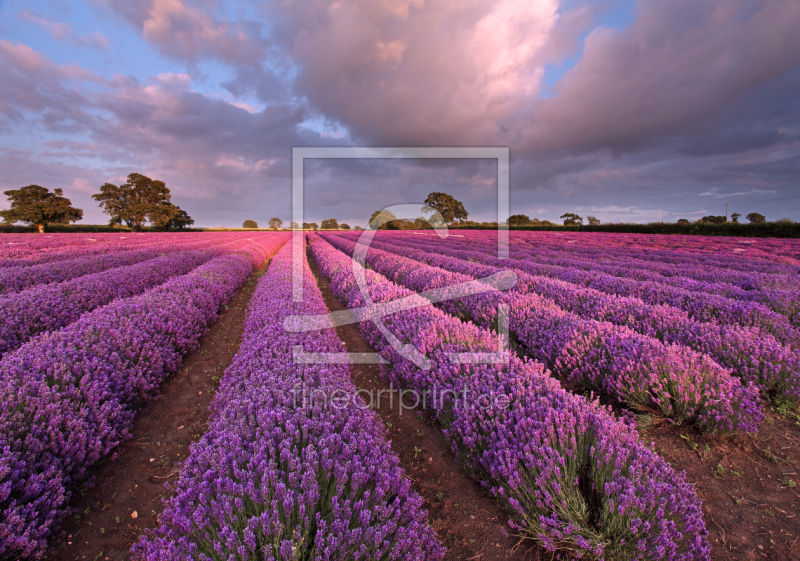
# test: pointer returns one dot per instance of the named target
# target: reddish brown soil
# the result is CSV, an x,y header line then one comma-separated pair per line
x,y
105,527
467,519
749,485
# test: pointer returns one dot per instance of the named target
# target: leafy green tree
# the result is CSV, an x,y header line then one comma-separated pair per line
x,y
344,226
250,224
313,226
683,221
571,219
180,220
711,219
330,224
735,217
593,221
165,215
136,201
450,208
293,225
357,228
756,218
275,223
38,206
519,220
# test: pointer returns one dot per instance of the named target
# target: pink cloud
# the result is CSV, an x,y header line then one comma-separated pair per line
x,y
429,72
189,33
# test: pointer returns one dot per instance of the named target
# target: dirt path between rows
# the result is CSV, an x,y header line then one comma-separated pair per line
x,y
126,497
749,485
469,522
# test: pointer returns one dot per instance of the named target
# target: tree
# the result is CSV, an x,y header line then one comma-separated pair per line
x,y
180,221
380,218
683,221
344,226
357,228
140,199
756,218
250,224
447,206
330,224
571,219
518,220
38,206
735,217
293,225
593,221
711,219
164,215
313,226
275,223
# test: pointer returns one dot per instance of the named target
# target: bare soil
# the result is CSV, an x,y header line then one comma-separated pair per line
x,y
130,483
468,520
749,485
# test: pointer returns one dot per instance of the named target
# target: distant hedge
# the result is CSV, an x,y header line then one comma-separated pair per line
x,y
766,230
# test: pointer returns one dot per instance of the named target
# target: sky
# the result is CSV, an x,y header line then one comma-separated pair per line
x,y
628,111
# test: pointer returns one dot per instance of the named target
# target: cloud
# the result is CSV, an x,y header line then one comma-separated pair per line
x,y
31,83
437,72
62,31
190,33
675,69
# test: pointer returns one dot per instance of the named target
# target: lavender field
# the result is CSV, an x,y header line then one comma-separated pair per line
x,y
646,386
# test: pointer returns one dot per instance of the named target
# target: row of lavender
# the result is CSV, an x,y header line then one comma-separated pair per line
x,y
15,279
36,250
776,289
569,473
23,250
621,364
48,307
283,472
733,269
752,355
700,306
735,254
67,398
774,250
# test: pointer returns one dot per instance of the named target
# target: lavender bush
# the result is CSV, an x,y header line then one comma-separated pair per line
x,y
68,397
279,478
615,361
14,279
52,306
570,474
753,355
700,306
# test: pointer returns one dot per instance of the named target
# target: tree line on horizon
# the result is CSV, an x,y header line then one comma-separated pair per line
x,y
142,199
135,202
